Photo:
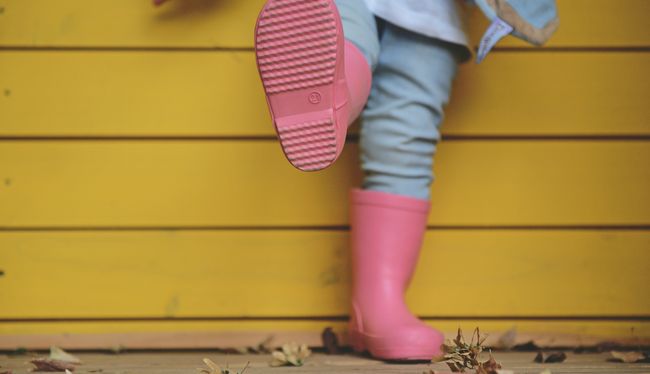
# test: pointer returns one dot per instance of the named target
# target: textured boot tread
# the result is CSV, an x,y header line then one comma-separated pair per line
x,y
289,31
279,35
309,146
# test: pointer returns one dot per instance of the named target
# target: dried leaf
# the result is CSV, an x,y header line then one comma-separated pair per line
x,y
608,346
117,349
550,358
330,341
460,339
628,357
508,339
555,357
213,368
453,367
291,354
461,356
526,347
491,366
48,364
264,346
57,353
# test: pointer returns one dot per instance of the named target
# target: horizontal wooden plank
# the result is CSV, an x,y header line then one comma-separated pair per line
x,y
242,333
187,23
171,274
230,23
249,183
219,94
167,362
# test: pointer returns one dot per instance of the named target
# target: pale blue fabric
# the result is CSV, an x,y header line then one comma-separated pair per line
x,y
537,13
412,78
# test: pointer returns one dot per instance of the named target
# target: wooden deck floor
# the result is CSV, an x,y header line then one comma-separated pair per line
x,y
187,362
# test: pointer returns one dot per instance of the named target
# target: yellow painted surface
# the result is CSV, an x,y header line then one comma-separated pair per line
x,y
144,218
289,273
208,334
229,23
249,183
219,94
602,328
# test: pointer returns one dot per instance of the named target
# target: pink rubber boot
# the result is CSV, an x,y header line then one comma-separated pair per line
x,y
386,236
316,82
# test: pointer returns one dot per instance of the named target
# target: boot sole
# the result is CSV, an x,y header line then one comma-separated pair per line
x,y
357,341
296,51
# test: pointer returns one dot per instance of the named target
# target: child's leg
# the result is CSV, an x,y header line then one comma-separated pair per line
x,y
360,28
400,128
388,219
316,82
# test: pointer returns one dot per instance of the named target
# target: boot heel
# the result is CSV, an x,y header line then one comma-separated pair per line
x,y
308,143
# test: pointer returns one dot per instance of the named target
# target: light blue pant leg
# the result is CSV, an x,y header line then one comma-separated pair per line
x,y
400,127
360,28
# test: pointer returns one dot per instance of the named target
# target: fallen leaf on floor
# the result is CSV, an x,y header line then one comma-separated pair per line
x,y
461,356
508,339
57,353
555,357
628,357
262,347
489,367
48,364
550,358
291,354
330,341
529,346
608,346
213,368
117,349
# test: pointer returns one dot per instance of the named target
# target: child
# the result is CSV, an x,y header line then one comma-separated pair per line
x,y
394,67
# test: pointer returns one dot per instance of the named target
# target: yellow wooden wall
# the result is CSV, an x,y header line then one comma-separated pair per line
x,y
144,201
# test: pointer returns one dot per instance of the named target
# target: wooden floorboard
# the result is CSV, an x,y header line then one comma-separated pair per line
x,y
187,362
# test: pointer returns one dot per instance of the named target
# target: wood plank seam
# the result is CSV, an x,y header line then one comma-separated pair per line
x,y
620,49
352,138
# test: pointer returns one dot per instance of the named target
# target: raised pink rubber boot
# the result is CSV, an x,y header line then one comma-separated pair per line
x,y
316,82
386,236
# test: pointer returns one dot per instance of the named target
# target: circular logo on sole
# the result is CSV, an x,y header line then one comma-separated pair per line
x,y
315,97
